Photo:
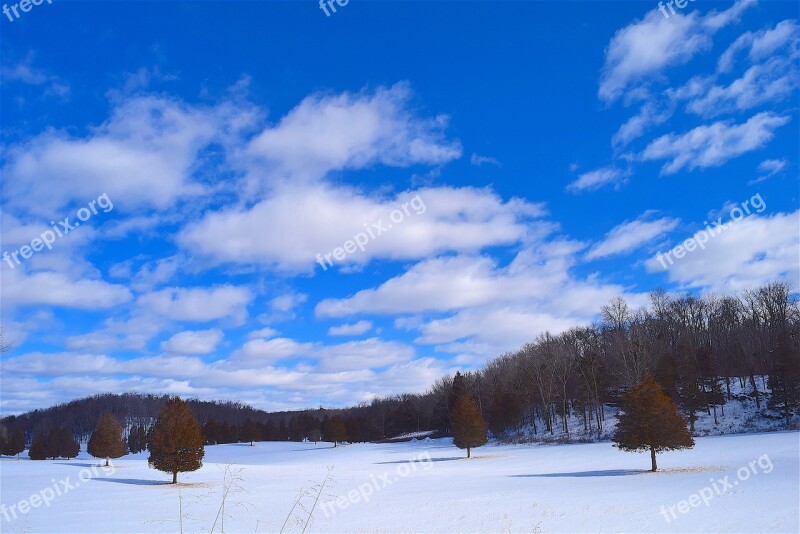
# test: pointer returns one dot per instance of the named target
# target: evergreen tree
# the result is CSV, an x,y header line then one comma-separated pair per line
x,y
177,442
15,444
335,430
650,421
469,429
250,431
137,439
66,445
38,450
106,441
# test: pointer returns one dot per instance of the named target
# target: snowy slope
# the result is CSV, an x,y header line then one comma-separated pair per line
x,y
740,415
506,488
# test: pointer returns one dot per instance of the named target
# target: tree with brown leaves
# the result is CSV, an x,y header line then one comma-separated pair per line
x,y
106,441
651,420
469,428
177,442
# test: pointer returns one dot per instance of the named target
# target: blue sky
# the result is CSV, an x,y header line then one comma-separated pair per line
x,y
525,161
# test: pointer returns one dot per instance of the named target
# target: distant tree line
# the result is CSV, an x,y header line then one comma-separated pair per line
x,y
695,348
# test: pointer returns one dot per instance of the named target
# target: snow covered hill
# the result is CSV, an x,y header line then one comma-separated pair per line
x,y
740,415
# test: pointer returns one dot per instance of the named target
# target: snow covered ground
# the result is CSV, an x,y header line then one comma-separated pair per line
x,y
504,488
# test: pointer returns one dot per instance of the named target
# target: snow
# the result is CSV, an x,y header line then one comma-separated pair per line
x,y
511,488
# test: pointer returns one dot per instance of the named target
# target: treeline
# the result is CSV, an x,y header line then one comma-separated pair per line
x,y
696,348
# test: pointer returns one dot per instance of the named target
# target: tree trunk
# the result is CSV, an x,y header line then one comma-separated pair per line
x,y
175,477
106,462
467,452
653,458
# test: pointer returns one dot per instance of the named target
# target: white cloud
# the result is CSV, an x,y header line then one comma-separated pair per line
x,y
592,180
487,304
629,236
642,50
750,252
193,342
198,304
351,131
769,82
761,44
144,156
268,351
316,219
58,289
714,144
478,160
351,329
651,114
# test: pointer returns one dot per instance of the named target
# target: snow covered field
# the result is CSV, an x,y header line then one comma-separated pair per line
x,y
515,488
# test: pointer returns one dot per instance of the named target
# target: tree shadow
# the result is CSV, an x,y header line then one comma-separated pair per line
x,y
580,474
317,448
417,460
83,465
136,481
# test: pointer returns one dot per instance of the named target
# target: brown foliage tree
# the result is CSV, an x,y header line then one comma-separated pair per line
x,y
106,441
177,442
469,429
250,432
650,421
15,443
38,450
335,430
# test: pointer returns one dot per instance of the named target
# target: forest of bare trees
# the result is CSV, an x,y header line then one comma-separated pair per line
x,y
696,348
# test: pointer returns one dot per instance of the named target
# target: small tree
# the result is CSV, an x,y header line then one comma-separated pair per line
x,y
15,443
250,431
650,420
469,428
314,435
177,441
38,450
335,430
106,441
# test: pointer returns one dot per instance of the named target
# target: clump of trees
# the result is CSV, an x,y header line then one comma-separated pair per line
x,y
56,443
650,421
176,445
13,443
106,441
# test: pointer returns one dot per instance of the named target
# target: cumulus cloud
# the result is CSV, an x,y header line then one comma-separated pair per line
x,y
198,304
193,342
316,219
750,252
351,131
